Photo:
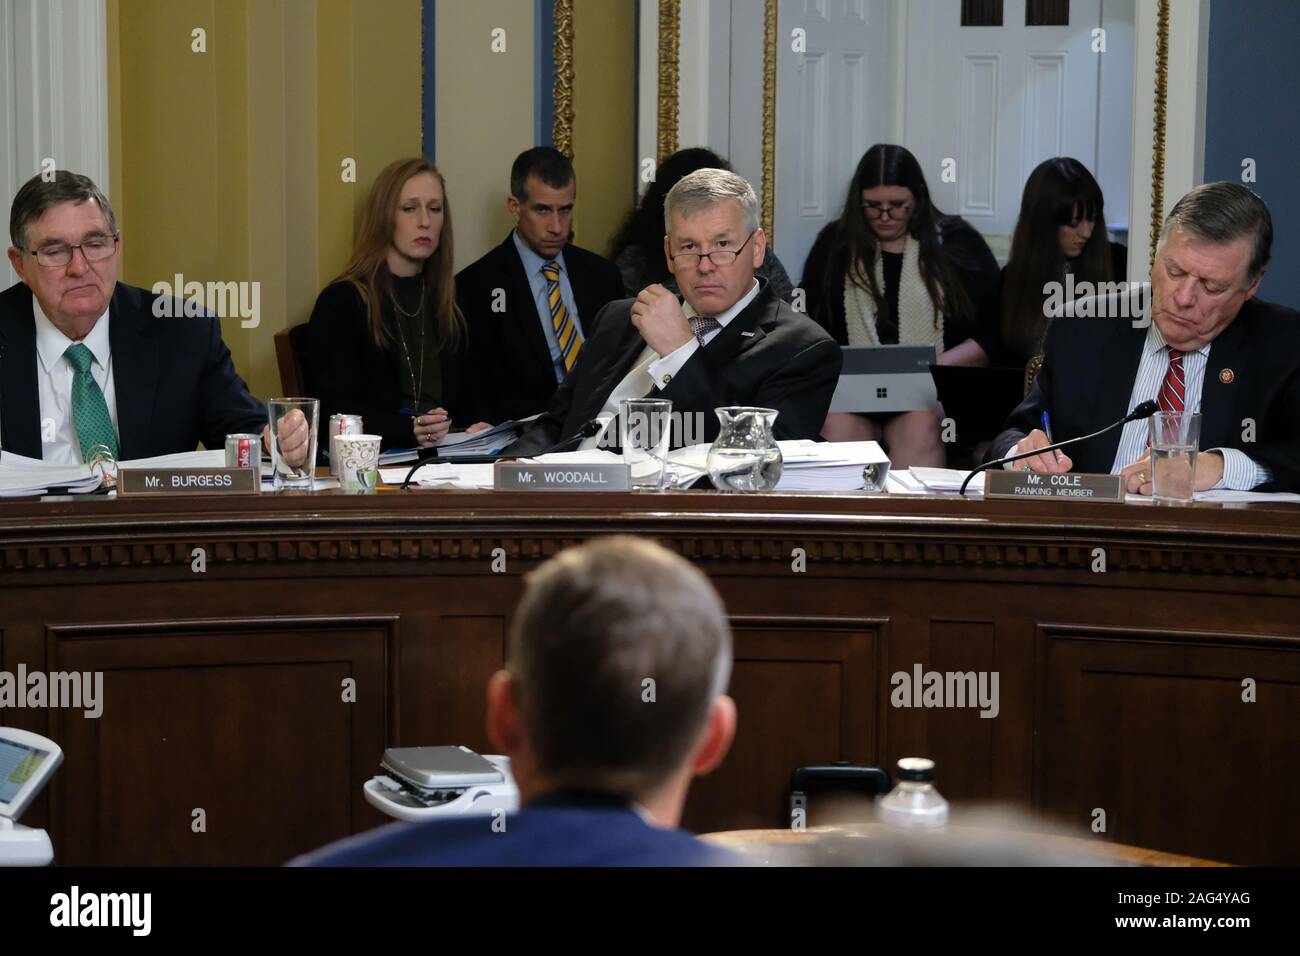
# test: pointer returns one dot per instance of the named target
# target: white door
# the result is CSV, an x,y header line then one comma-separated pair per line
x,y
833,101
998,100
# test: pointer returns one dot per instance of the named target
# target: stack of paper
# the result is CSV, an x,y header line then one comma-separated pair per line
x,y
490,441
946,479
22,477
806,465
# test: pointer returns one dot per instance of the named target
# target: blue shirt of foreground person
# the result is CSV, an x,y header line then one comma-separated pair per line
x,y
603,759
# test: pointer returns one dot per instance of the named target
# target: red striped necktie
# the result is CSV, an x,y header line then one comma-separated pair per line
x,y
1174,390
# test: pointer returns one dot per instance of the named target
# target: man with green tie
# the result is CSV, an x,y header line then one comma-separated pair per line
x,y
87,367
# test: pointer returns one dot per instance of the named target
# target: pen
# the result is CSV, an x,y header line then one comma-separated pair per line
x,y
1047,430
411,412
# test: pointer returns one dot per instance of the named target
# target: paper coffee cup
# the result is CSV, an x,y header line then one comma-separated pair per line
x,y
358,458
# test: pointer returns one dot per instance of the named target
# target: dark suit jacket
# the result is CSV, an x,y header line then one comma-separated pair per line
x,y
768,355
1087,378
556,830
176,385
352,375
508,372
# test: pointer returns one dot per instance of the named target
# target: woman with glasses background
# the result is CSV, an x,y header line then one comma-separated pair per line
x,y
893,270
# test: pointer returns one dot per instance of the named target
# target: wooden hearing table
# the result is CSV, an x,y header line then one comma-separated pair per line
x,y
258,655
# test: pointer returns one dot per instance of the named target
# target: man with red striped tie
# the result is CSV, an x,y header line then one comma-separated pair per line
x,y
1207,345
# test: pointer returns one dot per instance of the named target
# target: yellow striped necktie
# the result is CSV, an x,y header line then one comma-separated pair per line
x,y
566,330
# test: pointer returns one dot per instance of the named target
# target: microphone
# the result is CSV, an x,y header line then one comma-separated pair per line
x,y
589,430
1145,410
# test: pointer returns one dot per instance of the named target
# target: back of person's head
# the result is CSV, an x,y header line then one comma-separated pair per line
x,y
617,654
544,162
644,225
1221,213
855,247
1059,192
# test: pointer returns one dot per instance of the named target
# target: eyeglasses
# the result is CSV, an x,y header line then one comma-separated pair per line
x,y
719,257
59,254
894,210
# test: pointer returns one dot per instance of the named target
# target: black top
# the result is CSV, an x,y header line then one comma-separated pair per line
x,y
175,382
420,367
887,325
977,269
352,375
1001,353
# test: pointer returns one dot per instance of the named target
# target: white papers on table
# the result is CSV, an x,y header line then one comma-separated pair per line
x,y
22,477
827,465
945,479
1226,495
442,475
489,441
806,465
208,458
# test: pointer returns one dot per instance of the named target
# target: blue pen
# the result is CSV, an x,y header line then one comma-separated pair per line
x,y
1047,430
408,411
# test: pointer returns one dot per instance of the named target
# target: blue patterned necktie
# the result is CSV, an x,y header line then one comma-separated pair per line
x,y
702,325
89,410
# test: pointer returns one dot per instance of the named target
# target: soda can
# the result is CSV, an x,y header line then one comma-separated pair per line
x,y
245,451
341,424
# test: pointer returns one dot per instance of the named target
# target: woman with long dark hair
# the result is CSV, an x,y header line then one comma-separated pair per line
x,y
894,270
1062,229
381,333
638,247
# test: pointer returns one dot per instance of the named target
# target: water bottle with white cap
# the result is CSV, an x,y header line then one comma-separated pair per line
x,y
914,804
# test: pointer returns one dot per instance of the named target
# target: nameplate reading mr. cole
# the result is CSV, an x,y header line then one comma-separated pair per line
x,y
513,476
187,481
1030,484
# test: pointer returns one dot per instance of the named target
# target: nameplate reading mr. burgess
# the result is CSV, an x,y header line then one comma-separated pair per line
x,y
513,476
1030,484
187,481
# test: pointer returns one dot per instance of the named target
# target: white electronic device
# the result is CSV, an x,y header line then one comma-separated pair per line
x,y
420,783
27,761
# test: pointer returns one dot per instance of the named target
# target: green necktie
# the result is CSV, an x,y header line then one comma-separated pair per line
x,y
89,410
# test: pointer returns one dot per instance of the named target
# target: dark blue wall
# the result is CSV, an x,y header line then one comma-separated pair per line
x,y
1253,111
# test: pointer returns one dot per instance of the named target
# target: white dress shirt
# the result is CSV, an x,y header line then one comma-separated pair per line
x,y
653,373
1240,471
54,385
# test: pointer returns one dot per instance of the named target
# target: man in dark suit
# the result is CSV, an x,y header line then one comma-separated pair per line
x,y
612,699
731,343
531,303
86,365
1207,344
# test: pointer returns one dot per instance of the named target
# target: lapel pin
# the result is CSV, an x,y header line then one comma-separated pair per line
x,y
748,335
1226,376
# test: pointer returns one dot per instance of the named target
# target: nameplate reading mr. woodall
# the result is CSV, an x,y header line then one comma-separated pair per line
x,y
513,476
187,481
1031,484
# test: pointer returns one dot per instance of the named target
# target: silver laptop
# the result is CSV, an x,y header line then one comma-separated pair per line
x,y
886,378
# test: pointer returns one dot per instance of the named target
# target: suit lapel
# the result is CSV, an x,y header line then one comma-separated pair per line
x,y
603,380
20,401
520,290
1220,421
1119,367
584,293
135,371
